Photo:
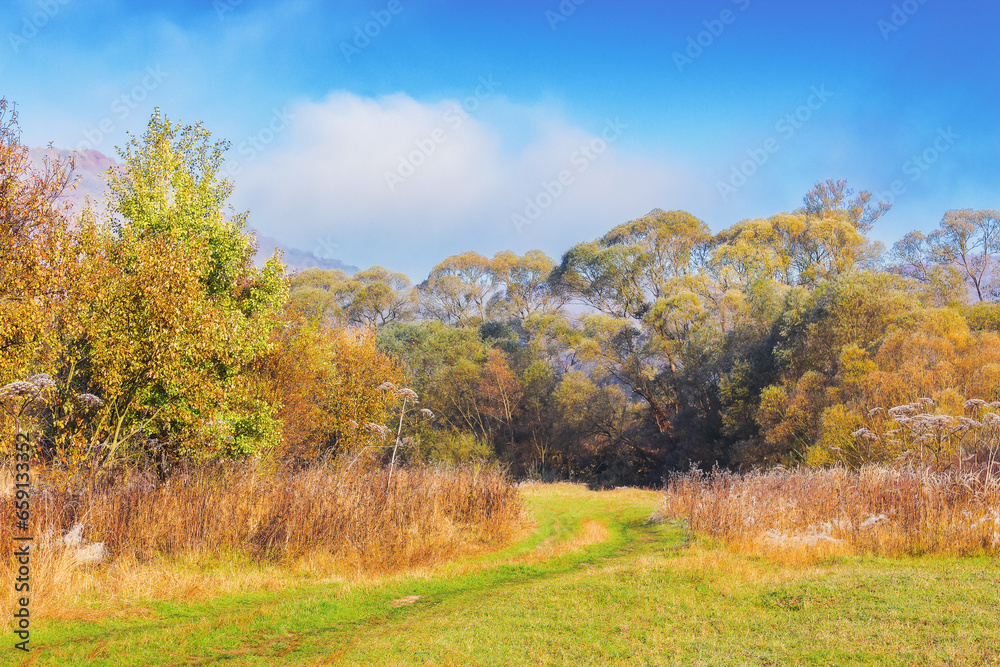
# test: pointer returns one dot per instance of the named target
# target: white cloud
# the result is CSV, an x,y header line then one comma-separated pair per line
x,y
341,173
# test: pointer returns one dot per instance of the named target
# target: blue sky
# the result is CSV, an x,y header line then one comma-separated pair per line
x,y
449,126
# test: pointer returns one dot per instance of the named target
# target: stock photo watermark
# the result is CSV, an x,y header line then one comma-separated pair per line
x,y
250,148
579,162
22,528
918,165
326,248
364,34
562,13
225,7
32,24
122,107
698,43
453,118
786,128
900,16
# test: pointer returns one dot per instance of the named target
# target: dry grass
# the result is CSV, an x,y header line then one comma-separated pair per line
x,y
590,532
238,527
803,515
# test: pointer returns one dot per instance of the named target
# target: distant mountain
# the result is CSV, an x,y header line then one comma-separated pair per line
x,y
295,259
91,168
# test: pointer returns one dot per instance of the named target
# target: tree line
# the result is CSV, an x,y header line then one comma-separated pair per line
x,y
657,346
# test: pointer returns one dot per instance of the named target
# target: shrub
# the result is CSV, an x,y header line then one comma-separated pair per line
x,y
324,378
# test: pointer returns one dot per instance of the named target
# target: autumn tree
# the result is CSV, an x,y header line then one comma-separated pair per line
x,y
523,285
183,315
832,198
459,289
321,295
772,341
970,241
954,260
825,340
757,250
469,387
378,297
325,380
916,258
36,251
645,277
41,275
838,221
471,289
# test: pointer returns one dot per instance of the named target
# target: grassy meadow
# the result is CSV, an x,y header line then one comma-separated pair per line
x,y
591,581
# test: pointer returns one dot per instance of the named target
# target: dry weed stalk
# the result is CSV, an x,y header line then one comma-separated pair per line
x,y
924,434
805,514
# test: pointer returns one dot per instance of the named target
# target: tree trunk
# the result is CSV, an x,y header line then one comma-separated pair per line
x,y
659,412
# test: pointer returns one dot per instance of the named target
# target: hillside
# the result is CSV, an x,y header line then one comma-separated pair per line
x,y
91,167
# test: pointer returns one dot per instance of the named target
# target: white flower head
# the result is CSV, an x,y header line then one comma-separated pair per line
x,y
20,389
43,381
865,434
74,537
89,400
408,394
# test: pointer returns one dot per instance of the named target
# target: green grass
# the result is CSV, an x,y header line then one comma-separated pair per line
x,y
642,596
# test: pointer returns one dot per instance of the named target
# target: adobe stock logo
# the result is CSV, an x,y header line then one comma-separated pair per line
x,y
122,107
697,44
900,16
787,127
223,7
580,161
363,35
919,164
562,13
257,143
31,24
453,118
326,248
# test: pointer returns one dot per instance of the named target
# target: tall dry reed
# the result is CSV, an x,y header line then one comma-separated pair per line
x,y
357,519
804,514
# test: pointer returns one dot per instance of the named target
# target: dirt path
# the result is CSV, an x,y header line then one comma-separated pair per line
x,y
401,621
